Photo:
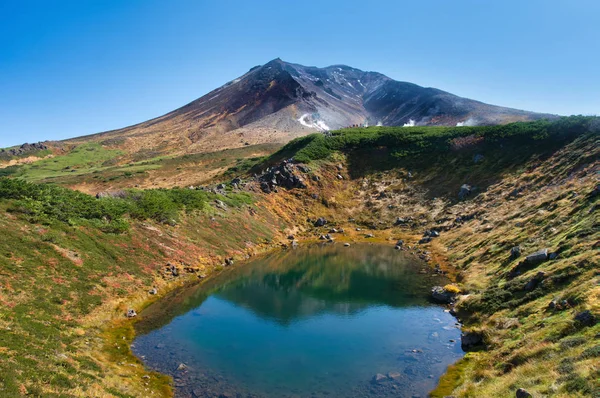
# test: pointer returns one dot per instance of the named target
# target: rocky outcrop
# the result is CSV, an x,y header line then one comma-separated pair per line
x,y
285,175
23,150
441,295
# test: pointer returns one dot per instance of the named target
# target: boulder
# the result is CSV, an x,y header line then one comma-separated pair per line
x,y
320,222
346,244
426,239
515,252
440,295
153,291
523,393
131,313
369,236
468,340
465,190
538,257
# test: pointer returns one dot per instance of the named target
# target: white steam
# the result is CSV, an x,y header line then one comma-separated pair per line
x,y
468,122
411,123
307,120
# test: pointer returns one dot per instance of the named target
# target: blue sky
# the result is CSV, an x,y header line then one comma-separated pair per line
x,y
69,68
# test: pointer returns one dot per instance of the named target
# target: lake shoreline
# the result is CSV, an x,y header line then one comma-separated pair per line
x,y
192,282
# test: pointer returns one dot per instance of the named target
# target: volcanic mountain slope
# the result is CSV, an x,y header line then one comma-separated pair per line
x,y
278,101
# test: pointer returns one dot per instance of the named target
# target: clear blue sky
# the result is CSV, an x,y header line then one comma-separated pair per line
x,y
69,68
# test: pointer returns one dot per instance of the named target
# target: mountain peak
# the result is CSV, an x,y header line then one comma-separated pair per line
x,y
278,101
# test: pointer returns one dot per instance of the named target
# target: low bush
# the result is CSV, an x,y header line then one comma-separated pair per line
x,y
46,203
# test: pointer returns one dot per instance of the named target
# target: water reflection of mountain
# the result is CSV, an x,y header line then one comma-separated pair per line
x,y
300,283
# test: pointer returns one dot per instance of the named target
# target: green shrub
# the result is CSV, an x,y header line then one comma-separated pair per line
x,y
45,203
405,142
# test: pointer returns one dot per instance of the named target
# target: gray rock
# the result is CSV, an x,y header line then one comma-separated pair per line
x,y
369,236
426,239
538,257
522,393
320,222
515,252
347,244
333,231
131,313
465,190
339,177
229,261
400,221
153,291
553,256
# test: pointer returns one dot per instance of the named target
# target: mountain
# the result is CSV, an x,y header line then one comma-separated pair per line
x,y
279,101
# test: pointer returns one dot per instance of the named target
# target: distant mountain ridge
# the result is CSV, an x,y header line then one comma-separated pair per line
x,y
278,101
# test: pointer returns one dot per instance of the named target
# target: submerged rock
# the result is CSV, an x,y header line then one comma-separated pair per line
x,y
379,378
394,375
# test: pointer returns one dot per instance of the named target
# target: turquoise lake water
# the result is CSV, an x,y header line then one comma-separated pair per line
x,y
321,321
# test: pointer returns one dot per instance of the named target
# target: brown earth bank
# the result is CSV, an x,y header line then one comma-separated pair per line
x,y
529,323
